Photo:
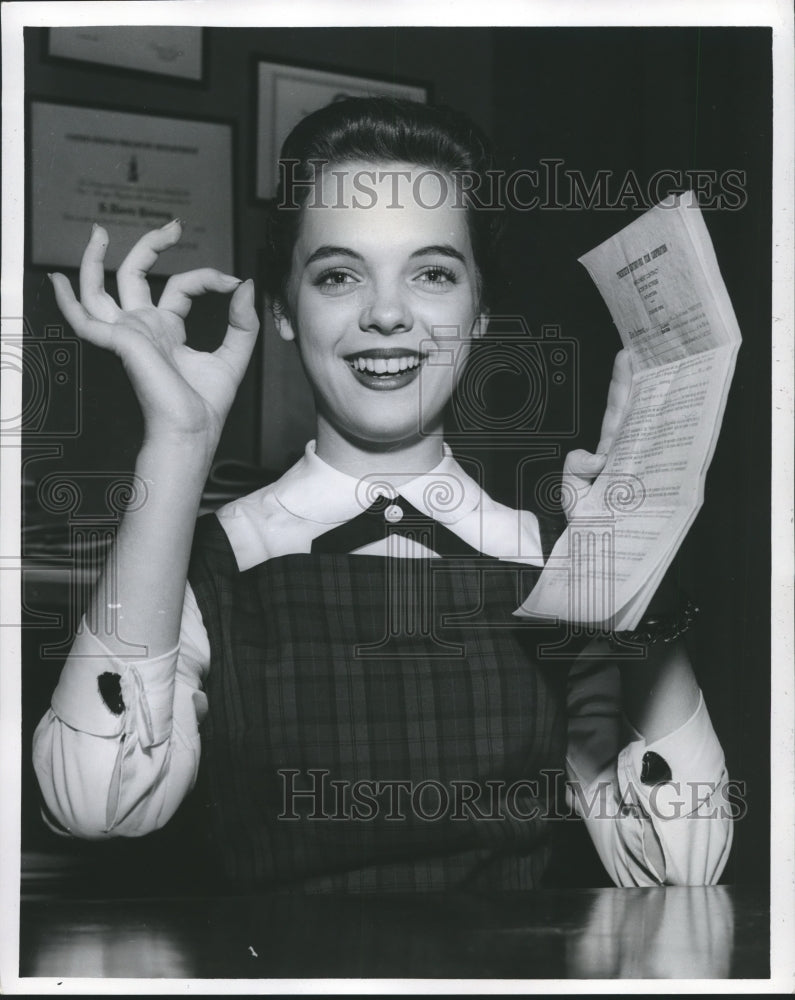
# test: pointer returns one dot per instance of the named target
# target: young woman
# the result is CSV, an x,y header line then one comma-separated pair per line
x,y
372,715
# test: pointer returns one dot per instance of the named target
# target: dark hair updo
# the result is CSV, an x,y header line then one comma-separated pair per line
x,y
379,129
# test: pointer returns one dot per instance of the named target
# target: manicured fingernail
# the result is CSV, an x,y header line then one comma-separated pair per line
x,y
49,276
172,223
93,228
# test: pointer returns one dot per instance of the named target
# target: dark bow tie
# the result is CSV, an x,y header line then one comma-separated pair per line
x,y
388,516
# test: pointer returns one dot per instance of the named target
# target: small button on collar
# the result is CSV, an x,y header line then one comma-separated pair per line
x,y
393,514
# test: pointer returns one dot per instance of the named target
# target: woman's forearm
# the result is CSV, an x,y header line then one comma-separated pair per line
x,y
140,592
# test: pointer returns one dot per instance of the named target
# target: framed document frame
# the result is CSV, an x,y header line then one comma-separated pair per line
x,y
286,94
176,51
129,172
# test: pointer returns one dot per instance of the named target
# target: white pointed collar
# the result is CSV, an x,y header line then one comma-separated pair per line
x,y
314,490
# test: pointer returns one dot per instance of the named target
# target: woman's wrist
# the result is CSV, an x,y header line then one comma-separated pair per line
x,y
180,449
172,471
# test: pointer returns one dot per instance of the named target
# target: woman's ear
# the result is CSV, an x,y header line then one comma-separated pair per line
x,y
480,326
283,325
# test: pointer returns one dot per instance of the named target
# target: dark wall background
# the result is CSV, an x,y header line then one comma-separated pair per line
x,y
616,99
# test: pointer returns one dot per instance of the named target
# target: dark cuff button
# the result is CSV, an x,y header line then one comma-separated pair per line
x,y
654,769
110,689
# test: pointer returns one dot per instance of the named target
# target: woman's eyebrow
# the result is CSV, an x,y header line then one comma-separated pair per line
x,y
442,250
331,251
434,249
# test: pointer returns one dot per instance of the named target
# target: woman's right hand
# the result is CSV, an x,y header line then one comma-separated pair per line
x,y
182,392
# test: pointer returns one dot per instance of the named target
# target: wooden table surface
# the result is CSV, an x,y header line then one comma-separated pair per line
x,y
694,932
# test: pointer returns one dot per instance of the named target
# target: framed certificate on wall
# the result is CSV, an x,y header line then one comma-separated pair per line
x,y
129,173
286,94
164,49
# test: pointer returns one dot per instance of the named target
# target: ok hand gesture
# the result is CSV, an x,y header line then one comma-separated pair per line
x,y
182,392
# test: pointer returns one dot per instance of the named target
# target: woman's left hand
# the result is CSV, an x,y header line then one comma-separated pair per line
x,y
582,467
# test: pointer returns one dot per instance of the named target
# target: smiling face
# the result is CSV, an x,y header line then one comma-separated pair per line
x,y
383,301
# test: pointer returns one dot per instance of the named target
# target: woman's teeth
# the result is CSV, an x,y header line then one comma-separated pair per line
x,y
385,366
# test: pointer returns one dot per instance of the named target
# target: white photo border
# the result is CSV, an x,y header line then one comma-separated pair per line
x,y
775,13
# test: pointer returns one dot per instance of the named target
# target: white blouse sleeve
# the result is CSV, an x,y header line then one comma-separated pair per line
x,y
675,832
123,769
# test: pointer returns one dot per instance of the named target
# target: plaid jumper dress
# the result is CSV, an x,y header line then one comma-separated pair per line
x,y
376,723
